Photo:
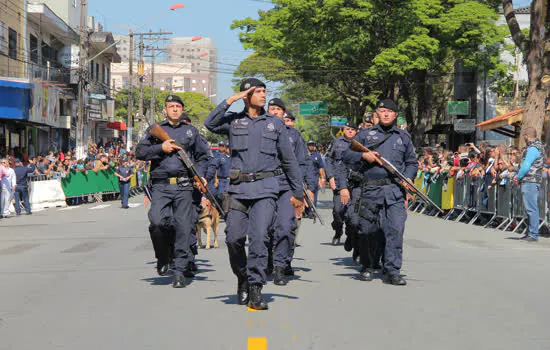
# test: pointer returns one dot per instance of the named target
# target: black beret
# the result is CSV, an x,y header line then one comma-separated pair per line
x,y
289,116
350,125
251,82
388,104
174,98
277,102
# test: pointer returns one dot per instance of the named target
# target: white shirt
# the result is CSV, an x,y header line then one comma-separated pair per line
x,y
9,182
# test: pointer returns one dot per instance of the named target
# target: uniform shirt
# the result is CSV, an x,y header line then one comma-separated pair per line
x,y
21,173
313,172
334,160
223,165
298,145
211,170
124,171
257,145
165,165
398,149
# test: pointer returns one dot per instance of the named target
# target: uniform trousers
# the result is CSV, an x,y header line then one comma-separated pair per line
x,y
378,222
173,205
284,225
254,223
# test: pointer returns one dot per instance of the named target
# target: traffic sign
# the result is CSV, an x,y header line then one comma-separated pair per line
x,y
338,121
458,107
314,108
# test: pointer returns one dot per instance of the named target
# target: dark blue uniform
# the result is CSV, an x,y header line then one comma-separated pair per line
x,y
312,175
21,189
334,160
382,206
260,151
286,224
124,186
223,165
174,203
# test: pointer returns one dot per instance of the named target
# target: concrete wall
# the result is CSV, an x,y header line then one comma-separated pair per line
x,y
13,17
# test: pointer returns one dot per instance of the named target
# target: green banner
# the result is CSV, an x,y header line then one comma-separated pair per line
x,y
80,184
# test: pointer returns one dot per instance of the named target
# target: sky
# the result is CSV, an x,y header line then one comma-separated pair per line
x,y
206,18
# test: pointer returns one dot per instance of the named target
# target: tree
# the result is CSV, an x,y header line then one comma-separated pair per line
x,y
535,47
363,50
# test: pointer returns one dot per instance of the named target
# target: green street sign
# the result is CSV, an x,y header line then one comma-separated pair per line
x,y
314,108
458,108
338,121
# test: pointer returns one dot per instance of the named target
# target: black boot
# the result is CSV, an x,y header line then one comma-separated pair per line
x,y
336,238
257,301
348,244
242,291
288,270
179,281
396,280
356,257
162,268
366,274
280,278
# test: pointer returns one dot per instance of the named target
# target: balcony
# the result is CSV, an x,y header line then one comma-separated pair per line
x,y
51,74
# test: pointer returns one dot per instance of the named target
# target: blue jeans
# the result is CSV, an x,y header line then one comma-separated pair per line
x,y
530,191
22,192
124,192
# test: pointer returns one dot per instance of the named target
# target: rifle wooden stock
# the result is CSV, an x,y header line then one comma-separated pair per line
x,y
403,181
159,133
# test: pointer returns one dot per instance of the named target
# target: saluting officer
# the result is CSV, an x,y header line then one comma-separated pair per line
x,y
382,203
333,161
260,152
285,220
172,187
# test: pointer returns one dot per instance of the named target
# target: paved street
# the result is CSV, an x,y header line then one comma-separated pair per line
x,y
84,278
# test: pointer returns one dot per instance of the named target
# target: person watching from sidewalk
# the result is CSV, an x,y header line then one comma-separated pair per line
x,y
21,190
530,178
8,188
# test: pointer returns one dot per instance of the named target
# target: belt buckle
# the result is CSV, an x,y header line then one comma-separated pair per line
x,y
173,181
251,177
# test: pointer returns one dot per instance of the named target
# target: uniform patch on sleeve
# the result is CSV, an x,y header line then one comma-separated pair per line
x,y
189,133
399,141
372,132
270,127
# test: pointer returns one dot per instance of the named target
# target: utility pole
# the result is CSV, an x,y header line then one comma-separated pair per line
x,y
152,117
130,118
79,135
141,72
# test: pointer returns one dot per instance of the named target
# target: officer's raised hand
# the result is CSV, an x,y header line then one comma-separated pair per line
x,y
240,96
170,146
371,157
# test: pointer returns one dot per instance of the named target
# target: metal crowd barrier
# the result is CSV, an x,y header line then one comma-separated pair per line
x,y
477,201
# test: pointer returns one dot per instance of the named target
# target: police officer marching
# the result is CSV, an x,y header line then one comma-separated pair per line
x,y
315,175
172,188
223,165
382,208
340,200
285,220
260,152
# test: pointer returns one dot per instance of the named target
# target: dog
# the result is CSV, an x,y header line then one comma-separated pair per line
x,y
209,220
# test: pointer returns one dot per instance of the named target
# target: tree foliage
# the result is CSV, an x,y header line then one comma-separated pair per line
x,y
356,51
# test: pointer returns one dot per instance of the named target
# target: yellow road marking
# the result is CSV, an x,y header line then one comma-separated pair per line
x,y
253,310
257,344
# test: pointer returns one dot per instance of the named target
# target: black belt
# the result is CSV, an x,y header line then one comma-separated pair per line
x,y
251,177
380,182
171,181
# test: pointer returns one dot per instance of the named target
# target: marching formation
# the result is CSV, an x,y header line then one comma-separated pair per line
x,y
266,178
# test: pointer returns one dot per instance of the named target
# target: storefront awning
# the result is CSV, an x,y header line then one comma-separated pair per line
x,y
508,124
117,125
15,97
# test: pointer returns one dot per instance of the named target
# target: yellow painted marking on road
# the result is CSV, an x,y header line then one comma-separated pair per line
x,y
257,344
253,310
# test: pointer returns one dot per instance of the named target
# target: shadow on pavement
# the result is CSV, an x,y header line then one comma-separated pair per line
x,y
231,299
159,281
343,261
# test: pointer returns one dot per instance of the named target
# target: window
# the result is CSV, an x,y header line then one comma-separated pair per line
x,y
2,37
97,72
194,81
193,89
92,70
34,49
12,43
74,3
204,81
204,89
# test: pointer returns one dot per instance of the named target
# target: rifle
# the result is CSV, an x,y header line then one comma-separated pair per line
x,y
311,206
160,134
403,181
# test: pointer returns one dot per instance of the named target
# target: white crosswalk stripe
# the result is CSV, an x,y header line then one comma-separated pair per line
x,y
134,205
69,208
101,206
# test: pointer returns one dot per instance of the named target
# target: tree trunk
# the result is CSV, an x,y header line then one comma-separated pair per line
x,y
536,95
